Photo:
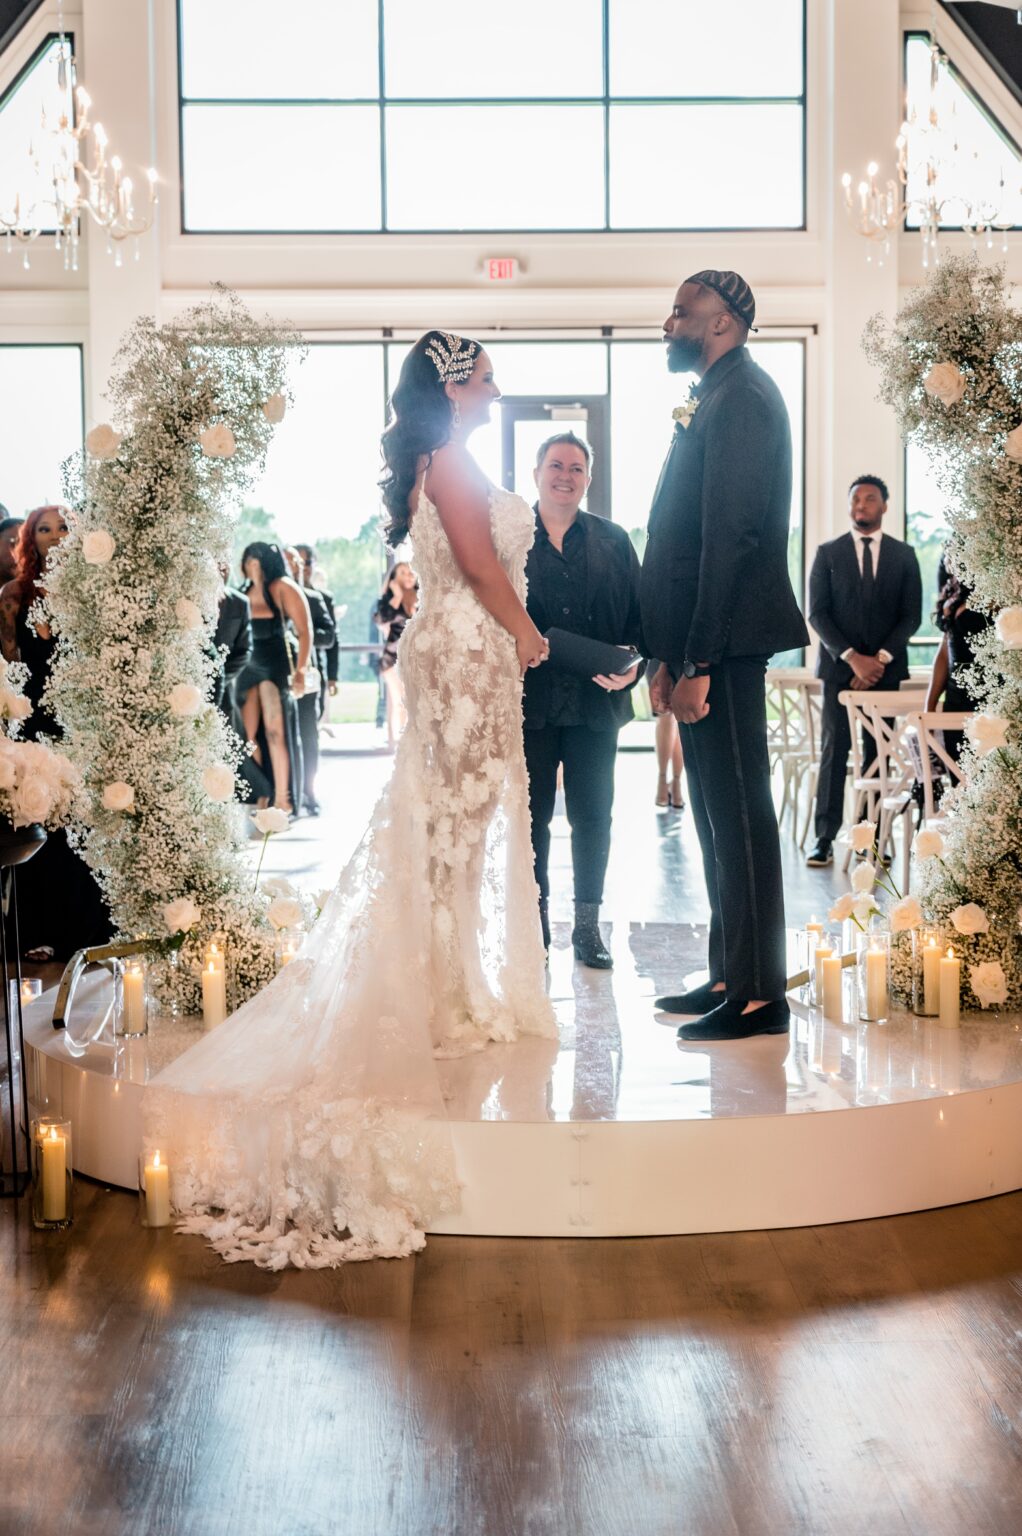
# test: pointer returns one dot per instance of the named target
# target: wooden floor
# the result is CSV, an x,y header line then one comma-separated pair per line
x,y
865,1378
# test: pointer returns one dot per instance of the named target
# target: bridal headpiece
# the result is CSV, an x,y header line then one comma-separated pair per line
x,y
453,357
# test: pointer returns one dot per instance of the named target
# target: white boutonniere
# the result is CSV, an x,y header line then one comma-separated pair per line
x,y
684,412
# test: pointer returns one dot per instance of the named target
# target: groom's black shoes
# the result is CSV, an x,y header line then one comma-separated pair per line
x,y
585,937
700,1000
728,1022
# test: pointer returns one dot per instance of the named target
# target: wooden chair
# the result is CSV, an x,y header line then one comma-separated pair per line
x,y
882,779
789,748
810,696
926,728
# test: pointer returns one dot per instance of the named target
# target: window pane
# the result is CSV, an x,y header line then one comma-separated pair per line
x,y
983,155
926,529
20,127
452,48
290,167
41,422
518,167
549,367
680,48
239,48
753,179
324,462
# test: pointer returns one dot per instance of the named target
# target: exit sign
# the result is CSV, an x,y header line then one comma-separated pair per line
x,y
500,269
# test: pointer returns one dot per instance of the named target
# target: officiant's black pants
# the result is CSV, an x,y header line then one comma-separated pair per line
x,y
728,770
588,758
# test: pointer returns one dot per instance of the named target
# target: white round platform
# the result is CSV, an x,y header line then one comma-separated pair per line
x,y
620,1130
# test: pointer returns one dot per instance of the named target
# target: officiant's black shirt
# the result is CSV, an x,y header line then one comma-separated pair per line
x,y
558,597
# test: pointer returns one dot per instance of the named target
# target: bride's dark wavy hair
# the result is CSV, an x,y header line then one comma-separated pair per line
x,y
421,423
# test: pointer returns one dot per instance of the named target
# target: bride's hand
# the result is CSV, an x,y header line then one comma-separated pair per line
x,y
532,649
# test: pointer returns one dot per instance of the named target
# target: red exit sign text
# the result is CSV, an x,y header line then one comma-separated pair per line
x,y
500,269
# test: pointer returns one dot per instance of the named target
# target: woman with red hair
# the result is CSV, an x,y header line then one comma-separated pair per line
x,y
60,906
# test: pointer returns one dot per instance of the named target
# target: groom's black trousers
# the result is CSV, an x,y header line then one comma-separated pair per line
x,y
728,770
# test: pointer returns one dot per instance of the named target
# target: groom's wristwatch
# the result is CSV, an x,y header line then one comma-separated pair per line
x,y
695,669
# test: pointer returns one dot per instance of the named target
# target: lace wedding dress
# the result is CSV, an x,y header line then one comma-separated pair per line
x,y
309,1128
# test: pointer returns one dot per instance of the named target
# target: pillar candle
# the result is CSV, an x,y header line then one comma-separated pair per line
x,y
214,956
950,990
815,927
876,983
134,1000
157,1192
931,977
214,996
54,1159
832,987
287,953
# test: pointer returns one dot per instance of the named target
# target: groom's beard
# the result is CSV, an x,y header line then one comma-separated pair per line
x,y
684,355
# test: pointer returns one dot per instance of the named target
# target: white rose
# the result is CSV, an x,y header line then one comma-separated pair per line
x,y
863,877
188,614
861,837
270,820
988,982
274,408
863,908
970,919
218,781
184,699
33,801
180,915
284,912
945,383
928,844
279,885
987,733
103,442
842,908
1013,445
1008,625
118,796
98,547
906,914
217,442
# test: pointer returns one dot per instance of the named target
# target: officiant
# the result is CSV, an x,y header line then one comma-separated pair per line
x,y
583,577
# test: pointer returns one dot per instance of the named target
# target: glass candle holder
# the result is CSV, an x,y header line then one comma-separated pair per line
x,y
154,1190
31,989
52,1183
131,1007
927,953
873,969
822,947
289,941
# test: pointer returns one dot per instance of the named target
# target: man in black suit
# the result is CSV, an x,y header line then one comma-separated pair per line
x,y
583,576
232,640
301,559
865,603
716,604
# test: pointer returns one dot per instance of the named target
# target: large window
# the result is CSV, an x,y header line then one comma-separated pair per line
x,y
926,529
41,423
438,115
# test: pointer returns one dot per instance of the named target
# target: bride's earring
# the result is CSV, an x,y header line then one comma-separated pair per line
x,y
456,417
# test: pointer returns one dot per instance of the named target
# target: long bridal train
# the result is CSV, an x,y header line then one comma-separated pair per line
x,y
310,1127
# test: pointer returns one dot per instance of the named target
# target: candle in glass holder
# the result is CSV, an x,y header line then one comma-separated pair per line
x,y
950,990
214,956
157,1192
287,952
932,956
54,1175
876,981
214,996
832,988
134,999
814,926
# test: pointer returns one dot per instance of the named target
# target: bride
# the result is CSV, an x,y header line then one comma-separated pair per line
x,y
309,1128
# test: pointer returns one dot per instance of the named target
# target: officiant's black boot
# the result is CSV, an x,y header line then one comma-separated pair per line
x,y
544,922
586,940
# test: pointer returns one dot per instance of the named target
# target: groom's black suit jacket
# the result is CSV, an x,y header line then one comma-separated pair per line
x,y
837,614
715,575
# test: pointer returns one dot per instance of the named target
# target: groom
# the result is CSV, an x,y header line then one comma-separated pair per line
x,y
716,604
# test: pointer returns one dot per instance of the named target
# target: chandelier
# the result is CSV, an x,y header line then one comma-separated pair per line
x,y
81,181
950,187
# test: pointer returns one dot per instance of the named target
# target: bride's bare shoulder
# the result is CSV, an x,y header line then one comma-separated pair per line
x,y
454,473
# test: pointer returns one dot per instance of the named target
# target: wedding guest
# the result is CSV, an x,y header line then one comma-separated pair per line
x,y
328,657
310,707
397,604
865,603
232,640
583,576
273,679
669,757
959,625
716,604
10,527
60,905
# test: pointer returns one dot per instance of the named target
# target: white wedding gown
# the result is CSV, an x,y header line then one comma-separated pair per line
x,y
309,1128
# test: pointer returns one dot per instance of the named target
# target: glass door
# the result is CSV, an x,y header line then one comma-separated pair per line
x,y
528,420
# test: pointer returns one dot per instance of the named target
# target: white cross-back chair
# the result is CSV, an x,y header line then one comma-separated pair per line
x,y
926,734
890,776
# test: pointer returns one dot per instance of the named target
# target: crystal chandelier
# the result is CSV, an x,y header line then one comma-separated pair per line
x,y
928,156
82,180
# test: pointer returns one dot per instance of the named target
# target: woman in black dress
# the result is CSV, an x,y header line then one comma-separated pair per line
x,y
273,678
398,602
60,906
960,624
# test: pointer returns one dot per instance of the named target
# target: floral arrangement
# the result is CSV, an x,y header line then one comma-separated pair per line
x,y
37,784
951,365
132,595
684,412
